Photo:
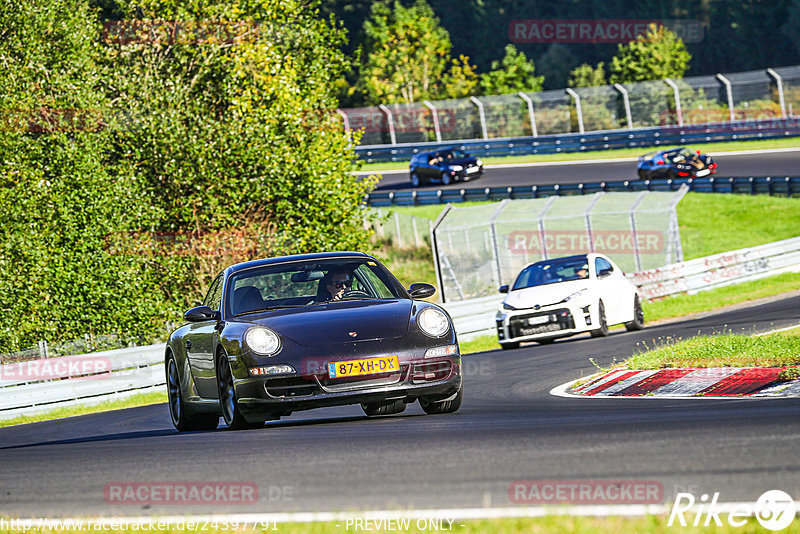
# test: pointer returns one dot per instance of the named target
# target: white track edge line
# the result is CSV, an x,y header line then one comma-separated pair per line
x,y
628,510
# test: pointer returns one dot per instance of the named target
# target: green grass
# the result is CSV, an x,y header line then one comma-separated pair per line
x,y
563,524
60,413
725,350
713,223
791,142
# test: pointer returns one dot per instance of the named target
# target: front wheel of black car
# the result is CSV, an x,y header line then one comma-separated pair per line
x,y
227,397
638,316
642,174
510,345
445,406
383,408
446,178
182,419
602,331
415,180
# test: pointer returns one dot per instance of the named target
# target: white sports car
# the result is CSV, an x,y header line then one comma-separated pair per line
x,y
565,296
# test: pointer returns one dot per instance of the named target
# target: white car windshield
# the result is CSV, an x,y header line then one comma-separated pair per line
x,y
552,272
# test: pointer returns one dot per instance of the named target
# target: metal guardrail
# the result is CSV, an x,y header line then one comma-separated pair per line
x,y
720,269
36,386
754,185
741,130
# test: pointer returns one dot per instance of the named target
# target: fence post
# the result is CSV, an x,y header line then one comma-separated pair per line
x,y
493,231
627,103
577,98
435,113
481,114
729,93
435,249
531,115
779,83
676,94
397,230
390,120
588,216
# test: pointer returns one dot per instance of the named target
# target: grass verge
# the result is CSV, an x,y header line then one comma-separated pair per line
x,y
791,142
70,411
539,525
727,350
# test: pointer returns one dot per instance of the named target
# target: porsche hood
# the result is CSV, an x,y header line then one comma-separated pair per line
x,y
341,322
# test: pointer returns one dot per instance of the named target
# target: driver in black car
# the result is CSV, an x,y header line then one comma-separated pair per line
x,y
333,285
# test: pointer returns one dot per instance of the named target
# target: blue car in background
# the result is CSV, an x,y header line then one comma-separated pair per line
x,y
443,166
675,163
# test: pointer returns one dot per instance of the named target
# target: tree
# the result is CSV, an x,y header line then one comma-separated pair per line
x,y
587,76
555,65
407,57
60,197
656,55
514,73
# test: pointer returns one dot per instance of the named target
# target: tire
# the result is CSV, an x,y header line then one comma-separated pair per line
x,y
445,406
446,179
642,174
415,181
546,341
511,345
638,316
602,331
180,413
227,397
383,408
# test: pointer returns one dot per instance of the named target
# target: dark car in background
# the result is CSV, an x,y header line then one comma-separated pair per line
x,y
675,163
279,335
443,166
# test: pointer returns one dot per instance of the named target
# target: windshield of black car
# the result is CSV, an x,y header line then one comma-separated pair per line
x,y
552,272
304,284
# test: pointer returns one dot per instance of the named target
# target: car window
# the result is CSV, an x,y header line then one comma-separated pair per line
x,y
552,272
214,295
304,284
600,264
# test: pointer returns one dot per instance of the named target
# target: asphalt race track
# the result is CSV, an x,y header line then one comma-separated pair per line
x,y
750,164
509,428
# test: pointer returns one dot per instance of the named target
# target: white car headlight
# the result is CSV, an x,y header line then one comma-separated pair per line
x,y
262,341
508,307
479,162
433,322
575,295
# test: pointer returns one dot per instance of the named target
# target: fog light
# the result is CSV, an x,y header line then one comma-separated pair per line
x,y
282,369
439,352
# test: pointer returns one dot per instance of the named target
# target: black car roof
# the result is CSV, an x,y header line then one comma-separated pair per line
x,y
434,151
294,258
584,257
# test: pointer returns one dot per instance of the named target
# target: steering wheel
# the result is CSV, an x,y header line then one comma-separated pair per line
x,y
354,293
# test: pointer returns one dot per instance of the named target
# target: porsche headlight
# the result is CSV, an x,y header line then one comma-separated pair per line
x,y
262,341
433,322
479,162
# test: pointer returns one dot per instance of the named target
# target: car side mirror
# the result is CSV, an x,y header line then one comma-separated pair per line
x,y
200,314
503,288
421,290
604,272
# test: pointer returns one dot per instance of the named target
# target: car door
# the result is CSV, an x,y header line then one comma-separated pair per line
x,y
199,343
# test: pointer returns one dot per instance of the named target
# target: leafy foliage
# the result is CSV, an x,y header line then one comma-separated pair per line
x,y
656,55
515,72
142,157
587,76
407,57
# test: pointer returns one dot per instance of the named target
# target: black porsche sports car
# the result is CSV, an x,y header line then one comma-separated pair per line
x,y
293,333
443,166
675,163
